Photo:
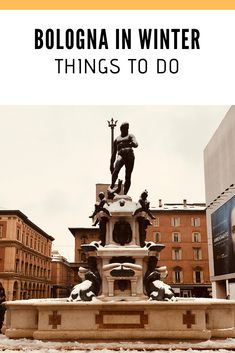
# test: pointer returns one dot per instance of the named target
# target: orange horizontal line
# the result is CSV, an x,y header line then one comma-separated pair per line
x,y
117,5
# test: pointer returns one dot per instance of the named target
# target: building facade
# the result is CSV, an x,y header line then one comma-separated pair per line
x,y
25,257
182,229
62,276
219,163
83,236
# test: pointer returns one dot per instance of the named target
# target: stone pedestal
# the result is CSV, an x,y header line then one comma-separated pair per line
x,y
122,256
143,320
121,285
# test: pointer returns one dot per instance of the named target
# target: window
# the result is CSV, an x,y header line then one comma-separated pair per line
x,y
26,268
197,253
196,237
1,231
157,237
177,275
18,234
176,238
176,254
198,275
22,267
83,239
195,222
175,221
83,257
155,222
17,266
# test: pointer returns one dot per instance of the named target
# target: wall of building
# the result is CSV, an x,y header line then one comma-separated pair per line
x,y
83,236
182,253
219,158
62,278
25,257
219,162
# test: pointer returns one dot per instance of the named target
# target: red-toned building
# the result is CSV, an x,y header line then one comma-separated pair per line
x,y
182,229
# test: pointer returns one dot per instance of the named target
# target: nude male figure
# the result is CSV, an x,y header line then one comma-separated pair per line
x,y
123,154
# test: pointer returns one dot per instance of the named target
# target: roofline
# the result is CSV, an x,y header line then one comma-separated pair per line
x,y
163,209
26,220
202,204
73,230
62,261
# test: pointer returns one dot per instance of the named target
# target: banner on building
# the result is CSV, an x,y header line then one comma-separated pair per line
x,y
223,238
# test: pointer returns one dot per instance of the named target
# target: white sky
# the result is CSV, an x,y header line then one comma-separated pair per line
x,y
52,157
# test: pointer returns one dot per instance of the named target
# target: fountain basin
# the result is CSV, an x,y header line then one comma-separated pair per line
x,y
57,319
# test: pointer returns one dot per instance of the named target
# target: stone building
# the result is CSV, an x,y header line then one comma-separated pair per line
x,y
25,257
182,229
219,162
62,276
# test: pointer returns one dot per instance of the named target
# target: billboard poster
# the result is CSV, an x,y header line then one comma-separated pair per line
x,y
223,238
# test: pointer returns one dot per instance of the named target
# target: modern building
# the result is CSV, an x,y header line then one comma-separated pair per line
x,y
219,162
182,229
25,257
62,276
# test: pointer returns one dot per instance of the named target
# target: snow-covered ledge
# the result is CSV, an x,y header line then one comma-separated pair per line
x,y
54,319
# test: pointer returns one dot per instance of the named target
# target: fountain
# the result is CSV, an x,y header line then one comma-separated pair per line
x,y
122,295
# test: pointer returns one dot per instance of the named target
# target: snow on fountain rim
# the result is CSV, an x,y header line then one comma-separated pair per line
x,y
122,301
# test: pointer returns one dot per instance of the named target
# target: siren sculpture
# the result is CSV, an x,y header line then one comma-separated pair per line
x,y
121,264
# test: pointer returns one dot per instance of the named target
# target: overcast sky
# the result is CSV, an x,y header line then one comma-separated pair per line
x,y
52,157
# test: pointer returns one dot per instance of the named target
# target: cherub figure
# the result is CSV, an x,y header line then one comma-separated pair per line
x,y
99,206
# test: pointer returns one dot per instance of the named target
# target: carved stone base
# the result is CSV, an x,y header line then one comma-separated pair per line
x,y
99,320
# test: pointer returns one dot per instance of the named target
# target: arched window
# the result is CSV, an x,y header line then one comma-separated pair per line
x,y
2,293
83,257
198,275
15,290
177,274
83,239
157,237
